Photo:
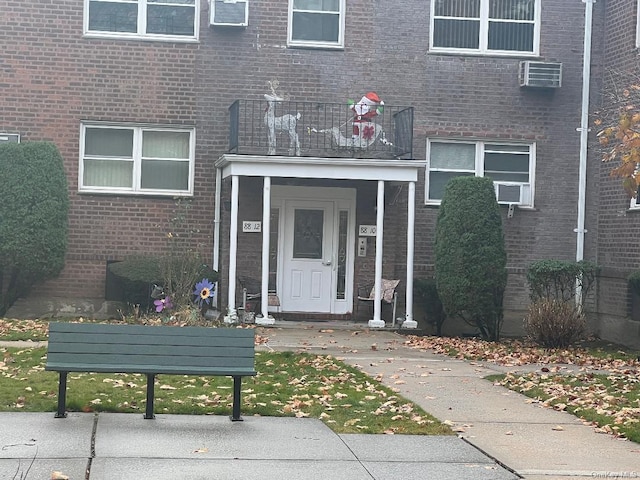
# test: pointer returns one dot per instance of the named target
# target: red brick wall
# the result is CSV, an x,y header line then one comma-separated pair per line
x,y
58,78
52,79
618,227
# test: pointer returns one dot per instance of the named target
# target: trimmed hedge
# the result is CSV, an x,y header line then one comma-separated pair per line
x,y
470,255
34,205
556,279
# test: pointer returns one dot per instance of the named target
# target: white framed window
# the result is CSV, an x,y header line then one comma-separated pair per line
x,y
506,27
149,19
136,159
510,165
316,23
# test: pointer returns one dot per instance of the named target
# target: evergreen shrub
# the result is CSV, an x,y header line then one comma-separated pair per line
x,y
34,206
470,255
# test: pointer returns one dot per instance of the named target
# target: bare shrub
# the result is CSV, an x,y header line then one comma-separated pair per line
x,y
553,323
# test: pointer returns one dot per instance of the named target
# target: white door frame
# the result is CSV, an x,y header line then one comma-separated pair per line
x,y
343,199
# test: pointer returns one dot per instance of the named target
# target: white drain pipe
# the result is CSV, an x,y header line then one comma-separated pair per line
x,y
584,137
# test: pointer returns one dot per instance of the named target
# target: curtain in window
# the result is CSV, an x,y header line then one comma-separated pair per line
x,y
316,20
113,16
114,168
171,17
165,160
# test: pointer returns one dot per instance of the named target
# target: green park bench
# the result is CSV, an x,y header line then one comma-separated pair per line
x,y
150,350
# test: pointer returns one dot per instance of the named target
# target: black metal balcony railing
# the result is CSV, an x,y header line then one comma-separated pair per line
x,y
318,130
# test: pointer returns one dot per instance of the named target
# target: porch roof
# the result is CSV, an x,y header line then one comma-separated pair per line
x,y
319,167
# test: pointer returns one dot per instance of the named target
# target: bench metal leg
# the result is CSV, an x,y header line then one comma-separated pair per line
x,y
62,396
237,383
151,380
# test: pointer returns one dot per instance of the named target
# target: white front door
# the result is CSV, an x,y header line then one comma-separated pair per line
x,y
308,256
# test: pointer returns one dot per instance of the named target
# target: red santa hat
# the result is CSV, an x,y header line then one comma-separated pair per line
x,y
372,97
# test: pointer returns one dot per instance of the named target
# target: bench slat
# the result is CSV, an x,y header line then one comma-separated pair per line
x,y
153,369
100,328
146,360
151,339
145,349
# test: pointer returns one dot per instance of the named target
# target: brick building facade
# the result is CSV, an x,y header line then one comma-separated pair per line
x,y
618,221
71,75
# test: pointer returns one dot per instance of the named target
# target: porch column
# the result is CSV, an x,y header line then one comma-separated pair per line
x,y
265,318
232,314
409,322
377,322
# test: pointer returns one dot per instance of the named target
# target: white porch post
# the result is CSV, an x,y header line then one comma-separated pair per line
x,y
216,233
409,322
376,321
232,314
265,318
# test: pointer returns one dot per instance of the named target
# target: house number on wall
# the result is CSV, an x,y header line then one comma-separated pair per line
x,y
367,231
251,226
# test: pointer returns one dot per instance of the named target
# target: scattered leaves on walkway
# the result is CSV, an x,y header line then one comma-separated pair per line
x,y
600,386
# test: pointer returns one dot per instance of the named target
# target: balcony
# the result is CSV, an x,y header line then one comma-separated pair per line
x,y
311,129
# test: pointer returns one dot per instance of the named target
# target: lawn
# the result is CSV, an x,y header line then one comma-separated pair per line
x,y
596,381
287,384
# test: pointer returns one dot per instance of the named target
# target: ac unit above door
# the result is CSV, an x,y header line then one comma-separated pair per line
x,y
230,13
540,74
508,193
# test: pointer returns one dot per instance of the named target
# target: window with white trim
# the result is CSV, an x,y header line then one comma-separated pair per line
x,y
510,165
486,26
155,160
316,23
159,19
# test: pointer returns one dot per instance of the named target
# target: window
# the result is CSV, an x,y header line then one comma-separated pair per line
x,y
510,166
316,23
486,26
161,19
136,159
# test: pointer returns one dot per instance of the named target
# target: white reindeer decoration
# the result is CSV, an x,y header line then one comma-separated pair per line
x,y
285,123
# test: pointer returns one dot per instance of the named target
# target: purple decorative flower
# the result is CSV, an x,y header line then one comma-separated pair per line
x,y
163,304
204,291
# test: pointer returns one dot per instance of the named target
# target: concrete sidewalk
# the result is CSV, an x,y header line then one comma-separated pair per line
x,y
112,446
535,442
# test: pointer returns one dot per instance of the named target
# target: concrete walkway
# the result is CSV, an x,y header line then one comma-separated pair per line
x,y
502,435
535,442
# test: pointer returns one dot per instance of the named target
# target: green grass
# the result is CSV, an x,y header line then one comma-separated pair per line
x,y
288,384
611,401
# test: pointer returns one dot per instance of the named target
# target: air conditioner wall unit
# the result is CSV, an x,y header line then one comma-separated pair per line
x,y
510,193
9,138
540,74
230,13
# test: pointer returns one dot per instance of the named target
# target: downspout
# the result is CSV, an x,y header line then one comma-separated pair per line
x,y
584,135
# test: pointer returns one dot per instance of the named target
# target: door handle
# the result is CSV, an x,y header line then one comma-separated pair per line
x,y
326,263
